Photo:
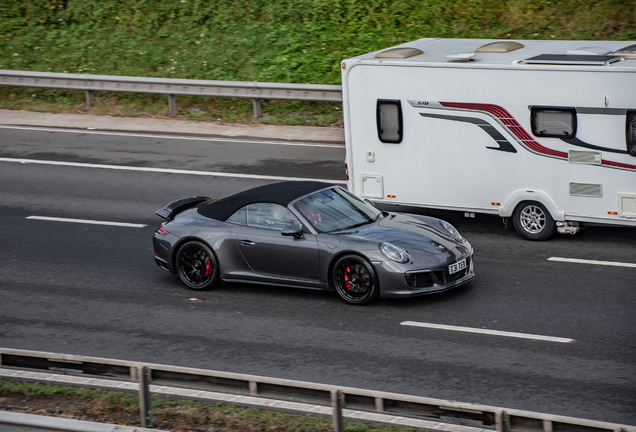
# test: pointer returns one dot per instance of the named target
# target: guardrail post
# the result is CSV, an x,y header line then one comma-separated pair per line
x,y
90,99
256,104
172,104
336,404
502,421
144,394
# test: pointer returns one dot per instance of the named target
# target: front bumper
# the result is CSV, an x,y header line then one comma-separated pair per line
x,y
395,282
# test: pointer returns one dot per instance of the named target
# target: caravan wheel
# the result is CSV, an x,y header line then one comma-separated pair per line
x,y
533,221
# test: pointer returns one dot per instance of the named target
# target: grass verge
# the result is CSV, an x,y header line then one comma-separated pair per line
x,y
168,413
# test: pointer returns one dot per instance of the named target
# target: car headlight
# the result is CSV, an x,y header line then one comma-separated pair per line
x,y
452,231
394,253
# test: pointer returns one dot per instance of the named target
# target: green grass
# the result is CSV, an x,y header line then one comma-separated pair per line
x,y
299,41
168,412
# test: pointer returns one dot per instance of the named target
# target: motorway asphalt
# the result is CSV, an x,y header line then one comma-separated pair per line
x,y
88,299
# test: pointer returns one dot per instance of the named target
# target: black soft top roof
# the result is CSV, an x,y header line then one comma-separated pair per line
x,y
278,193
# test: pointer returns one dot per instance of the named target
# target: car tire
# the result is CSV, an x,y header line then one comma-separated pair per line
x,y
197,266
354,280
533,221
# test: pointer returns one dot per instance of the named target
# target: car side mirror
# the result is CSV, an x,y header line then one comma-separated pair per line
x,y
292,231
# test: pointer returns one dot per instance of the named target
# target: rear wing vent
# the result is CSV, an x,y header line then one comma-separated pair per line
x,y
573,59
170,210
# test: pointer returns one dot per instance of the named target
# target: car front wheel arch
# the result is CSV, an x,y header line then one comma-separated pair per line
x,y
354,279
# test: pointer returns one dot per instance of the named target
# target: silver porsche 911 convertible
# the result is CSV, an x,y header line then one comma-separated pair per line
x,y
310,235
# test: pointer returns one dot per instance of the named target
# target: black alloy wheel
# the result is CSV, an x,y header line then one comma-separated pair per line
x,y
533,221
196,265
354,279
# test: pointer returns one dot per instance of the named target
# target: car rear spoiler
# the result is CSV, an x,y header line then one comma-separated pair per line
x,y
175,207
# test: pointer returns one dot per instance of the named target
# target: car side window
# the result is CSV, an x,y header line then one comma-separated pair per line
x,y
239,217
270,216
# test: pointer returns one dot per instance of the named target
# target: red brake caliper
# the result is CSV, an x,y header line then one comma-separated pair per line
x,y
208,267
347,278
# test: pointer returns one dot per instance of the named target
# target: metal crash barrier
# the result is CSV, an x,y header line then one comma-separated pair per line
x,y
172,87
339,398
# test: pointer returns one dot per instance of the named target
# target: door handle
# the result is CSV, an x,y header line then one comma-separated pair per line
x,y
247,243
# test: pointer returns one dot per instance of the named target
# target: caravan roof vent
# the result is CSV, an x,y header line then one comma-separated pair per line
x,y
570,59
399,53
629,52
590,51
499,47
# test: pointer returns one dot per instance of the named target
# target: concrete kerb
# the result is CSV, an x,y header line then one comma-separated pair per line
x,y
247,401
94,123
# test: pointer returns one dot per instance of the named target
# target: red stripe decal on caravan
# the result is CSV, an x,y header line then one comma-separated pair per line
x,y
511,123
518,131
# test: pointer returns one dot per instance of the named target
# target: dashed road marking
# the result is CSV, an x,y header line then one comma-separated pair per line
x,y
86,221
584,261
487,332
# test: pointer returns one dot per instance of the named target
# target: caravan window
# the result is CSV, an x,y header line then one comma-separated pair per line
x,y
553,122
630,133
389,121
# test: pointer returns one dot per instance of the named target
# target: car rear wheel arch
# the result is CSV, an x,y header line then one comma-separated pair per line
x,y
215,281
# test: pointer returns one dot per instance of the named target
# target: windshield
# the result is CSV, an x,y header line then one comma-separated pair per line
x,y
336,210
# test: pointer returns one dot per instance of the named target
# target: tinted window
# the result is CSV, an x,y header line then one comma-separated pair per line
x,y
270,216
554,122
389,121
630,132
336,210
239,217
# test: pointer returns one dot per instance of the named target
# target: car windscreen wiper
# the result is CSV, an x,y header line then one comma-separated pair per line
x,y
360,224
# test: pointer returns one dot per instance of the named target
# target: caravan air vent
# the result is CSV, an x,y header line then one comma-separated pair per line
x,y
499,47
553,122
584,157
567,59
586,189
628,53
399,53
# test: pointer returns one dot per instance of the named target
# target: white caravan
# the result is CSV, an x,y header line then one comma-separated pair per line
x,y
543,132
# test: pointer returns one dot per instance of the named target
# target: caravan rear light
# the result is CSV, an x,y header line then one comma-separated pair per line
x,y
347,171
630,133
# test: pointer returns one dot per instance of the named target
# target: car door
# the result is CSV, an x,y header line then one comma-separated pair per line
x,y
267,252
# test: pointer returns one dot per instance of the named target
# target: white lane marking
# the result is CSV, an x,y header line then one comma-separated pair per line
x,y
143,135
488,332
584,261
167,170
86,221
